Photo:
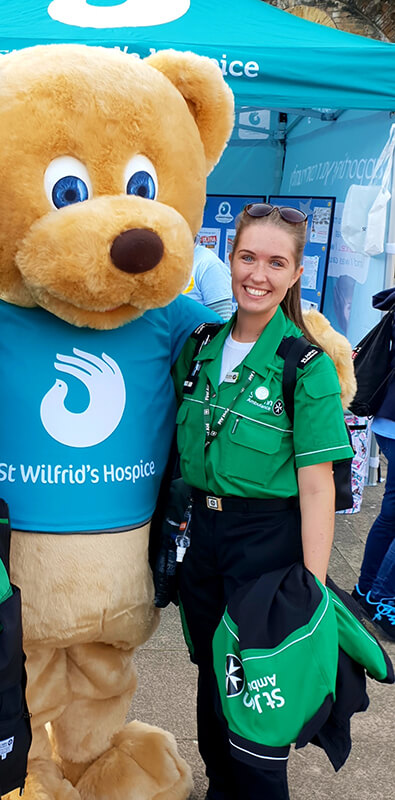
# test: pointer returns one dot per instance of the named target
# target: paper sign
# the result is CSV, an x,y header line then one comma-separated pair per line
x,y
230,235
210,237
320,224
309,274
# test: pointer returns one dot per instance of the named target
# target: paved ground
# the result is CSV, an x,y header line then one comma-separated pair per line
x,y
166,695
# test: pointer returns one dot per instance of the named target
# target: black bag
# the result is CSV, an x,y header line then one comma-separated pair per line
x,y
15,729
297,352
372,359
166,570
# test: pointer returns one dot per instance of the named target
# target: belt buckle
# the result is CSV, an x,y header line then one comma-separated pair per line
x,y
214,503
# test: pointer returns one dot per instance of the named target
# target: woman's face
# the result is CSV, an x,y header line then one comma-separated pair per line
x,y
263,269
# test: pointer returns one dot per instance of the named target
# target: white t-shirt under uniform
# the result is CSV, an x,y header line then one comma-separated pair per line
x,y
233,354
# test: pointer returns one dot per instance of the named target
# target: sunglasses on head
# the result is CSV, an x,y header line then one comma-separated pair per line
x,y
287,213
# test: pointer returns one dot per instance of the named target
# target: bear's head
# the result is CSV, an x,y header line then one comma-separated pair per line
x,y
103,164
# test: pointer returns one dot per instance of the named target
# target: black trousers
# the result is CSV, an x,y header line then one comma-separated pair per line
x,y
228,549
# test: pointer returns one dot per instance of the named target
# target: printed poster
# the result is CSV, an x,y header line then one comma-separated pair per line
x,y
320,213
230,235
219,221
319,231
310,271
210,237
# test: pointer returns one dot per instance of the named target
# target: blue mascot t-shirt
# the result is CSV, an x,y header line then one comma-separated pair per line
x,y
87,416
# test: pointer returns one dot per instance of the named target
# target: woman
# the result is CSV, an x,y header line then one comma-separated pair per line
x,y
263,493
375,590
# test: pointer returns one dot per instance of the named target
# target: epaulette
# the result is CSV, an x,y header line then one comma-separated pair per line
x,y
202,335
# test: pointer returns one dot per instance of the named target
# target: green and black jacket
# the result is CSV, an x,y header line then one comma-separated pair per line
x,y
288,656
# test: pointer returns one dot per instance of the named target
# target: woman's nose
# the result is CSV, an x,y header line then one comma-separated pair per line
x,y
260,272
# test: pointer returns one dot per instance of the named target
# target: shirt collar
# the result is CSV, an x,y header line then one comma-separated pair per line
x,y
260,355
263,350
265,347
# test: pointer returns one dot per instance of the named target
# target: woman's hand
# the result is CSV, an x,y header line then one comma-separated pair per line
x,y
317,506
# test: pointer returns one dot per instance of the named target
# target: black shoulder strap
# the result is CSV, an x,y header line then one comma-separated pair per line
x,y
296,351
205,331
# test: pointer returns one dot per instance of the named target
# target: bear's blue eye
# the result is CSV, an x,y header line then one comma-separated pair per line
x,y
69,190
142,184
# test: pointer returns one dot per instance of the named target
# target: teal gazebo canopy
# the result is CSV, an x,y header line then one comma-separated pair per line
x,y
270,59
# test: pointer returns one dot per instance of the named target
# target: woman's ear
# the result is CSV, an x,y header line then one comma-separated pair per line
x,y
208,97
298,274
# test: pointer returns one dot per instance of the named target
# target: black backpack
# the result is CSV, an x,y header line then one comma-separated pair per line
x,y
297,352
15,729
372,364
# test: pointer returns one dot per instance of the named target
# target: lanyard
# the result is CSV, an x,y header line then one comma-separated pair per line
x,y
211,433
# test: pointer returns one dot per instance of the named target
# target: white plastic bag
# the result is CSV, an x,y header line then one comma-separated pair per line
x,y
365,208
358,202
377,223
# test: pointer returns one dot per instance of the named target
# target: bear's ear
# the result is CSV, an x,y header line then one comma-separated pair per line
x,y
208,97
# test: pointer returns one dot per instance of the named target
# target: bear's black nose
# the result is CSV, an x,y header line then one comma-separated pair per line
x,y
136,250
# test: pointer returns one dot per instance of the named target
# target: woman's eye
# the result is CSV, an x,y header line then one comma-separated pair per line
x,y
141,178
247,259
66,181
277,264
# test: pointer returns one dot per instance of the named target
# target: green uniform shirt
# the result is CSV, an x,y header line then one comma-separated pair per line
x,y
257,452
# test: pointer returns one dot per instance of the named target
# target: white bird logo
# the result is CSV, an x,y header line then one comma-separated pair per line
x,y
107,396
129,14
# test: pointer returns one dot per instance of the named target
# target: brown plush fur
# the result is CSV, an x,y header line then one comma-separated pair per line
x,y
81,628
205,98
88,600
338,348
102,107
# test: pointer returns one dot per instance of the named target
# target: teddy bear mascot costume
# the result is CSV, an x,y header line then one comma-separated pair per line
x,y
103,163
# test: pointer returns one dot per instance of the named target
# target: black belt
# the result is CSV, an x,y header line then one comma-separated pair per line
x,y
254,505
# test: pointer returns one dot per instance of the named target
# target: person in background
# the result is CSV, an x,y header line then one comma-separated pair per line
x,y
375,590
263,494
210,282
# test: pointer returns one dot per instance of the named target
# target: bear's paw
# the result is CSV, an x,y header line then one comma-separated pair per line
x,y
142,764
45,782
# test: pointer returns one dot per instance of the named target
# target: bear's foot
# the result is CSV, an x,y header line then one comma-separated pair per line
x,y
141,764
45,782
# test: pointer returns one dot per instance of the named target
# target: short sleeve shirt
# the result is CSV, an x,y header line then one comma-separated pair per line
x,y
210,280
257,451
87,416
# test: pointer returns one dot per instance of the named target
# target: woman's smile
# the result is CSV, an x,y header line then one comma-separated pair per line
x,y
255,292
